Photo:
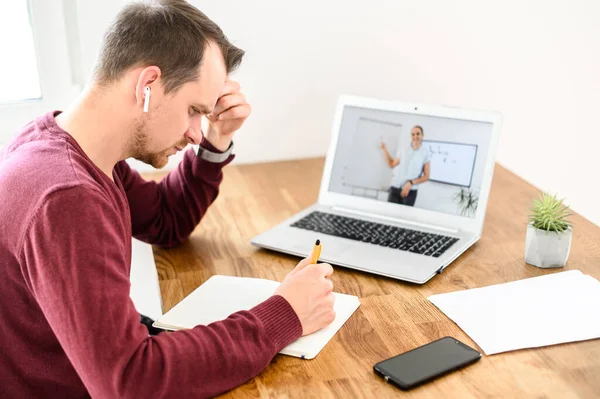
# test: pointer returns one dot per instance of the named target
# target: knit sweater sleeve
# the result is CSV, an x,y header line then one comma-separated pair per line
x,y
74,257
165,214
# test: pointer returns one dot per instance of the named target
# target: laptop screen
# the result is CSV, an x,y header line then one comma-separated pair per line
x,y
428,162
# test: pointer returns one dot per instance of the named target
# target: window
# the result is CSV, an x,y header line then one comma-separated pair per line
x,y
15,28
35,70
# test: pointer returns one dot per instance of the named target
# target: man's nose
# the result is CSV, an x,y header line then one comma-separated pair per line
x,y
193,135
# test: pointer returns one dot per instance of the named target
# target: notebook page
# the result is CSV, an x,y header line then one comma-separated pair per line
x,y
310,345
216,299
221,296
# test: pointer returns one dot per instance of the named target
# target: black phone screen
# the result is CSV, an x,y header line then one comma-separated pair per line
x,y
427,362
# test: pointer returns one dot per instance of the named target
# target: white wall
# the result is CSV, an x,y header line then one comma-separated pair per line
x,y
537,62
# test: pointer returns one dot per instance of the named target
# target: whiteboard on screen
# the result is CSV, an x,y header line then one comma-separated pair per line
x,y
366,168
451,163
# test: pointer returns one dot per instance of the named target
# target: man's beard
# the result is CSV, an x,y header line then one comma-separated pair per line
x,y
140,149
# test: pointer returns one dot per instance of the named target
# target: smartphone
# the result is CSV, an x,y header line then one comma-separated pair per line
x,y
425,363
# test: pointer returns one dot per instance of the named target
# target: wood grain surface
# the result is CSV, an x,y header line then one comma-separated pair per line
x,y
394,316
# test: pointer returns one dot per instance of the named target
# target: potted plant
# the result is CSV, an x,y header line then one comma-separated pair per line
x,y
467,202
549,232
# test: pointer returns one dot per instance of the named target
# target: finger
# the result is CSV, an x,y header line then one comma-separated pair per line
x,y
230,86
325,269
228,101
329,284
237,112
330,316
303,263
331,298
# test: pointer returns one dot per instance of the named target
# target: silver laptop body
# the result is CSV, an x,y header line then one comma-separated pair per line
x,y
359,221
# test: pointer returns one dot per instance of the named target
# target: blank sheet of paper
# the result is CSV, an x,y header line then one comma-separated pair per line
x,y
145,289
540,311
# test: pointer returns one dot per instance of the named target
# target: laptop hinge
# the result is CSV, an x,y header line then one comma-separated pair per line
x,y
395,220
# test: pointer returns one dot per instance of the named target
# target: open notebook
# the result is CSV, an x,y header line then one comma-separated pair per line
x,y
221,296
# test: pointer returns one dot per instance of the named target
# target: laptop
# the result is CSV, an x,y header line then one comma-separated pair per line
x,y
369,217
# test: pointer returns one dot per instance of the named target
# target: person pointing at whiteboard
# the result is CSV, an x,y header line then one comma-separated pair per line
x,y
409,171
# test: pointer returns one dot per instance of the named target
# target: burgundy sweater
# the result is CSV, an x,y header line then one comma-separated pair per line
x,y
68,327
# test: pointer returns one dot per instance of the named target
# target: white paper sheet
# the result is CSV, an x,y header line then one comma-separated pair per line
x,y
540,311
145,289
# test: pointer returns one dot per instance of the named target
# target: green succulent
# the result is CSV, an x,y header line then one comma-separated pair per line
x,y
550,214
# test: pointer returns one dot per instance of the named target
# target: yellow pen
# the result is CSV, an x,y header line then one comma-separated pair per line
x,y
316,252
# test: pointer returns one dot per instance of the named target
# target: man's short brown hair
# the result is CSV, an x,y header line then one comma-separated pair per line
x,y
170,34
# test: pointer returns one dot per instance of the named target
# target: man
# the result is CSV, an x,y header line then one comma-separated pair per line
x,y
70,205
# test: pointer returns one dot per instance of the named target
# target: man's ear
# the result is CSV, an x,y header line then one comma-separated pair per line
x,y
148,78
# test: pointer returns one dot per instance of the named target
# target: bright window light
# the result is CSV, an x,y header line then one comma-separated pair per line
x,y
19,67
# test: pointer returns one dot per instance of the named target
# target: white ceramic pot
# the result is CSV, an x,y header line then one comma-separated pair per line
x,y
547,248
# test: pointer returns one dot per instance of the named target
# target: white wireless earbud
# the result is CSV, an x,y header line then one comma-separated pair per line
x,y
146,98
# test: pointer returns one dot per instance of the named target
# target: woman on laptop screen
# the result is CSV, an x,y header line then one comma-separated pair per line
x,y
409,171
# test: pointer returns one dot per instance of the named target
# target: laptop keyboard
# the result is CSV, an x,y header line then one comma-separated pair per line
x,y
376,233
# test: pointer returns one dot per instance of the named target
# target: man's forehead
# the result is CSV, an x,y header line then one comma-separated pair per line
x,y
205,96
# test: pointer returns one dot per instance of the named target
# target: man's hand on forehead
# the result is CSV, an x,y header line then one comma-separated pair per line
x,y
230,112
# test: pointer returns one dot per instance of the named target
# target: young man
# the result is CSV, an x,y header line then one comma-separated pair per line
x,y
70,205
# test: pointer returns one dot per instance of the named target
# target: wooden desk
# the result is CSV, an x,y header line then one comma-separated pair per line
x,y
394,316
